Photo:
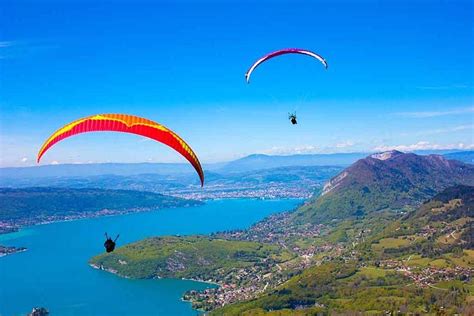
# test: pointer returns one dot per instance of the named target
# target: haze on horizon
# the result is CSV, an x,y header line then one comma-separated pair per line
x,y
400,77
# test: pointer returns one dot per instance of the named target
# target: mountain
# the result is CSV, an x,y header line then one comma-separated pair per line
x,y
464,156
259,161
420,264
447,216
95,169
389,180
246,164
284,182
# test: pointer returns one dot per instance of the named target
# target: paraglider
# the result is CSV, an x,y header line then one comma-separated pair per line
x,y
126,124
292,118
283,52
109,244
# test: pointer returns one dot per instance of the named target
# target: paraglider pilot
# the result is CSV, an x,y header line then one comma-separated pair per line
x,y
292,118
109,244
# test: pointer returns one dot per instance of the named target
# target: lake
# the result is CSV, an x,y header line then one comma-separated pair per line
x,y
54,273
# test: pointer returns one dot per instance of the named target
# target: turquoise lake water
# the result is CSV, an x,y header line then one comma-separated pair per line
x,y
54,273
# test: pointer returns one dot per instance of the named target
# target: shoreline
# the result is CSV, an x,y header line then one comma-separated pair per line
x,y
200,281
15,251
112,271
148,210
203,284
79,218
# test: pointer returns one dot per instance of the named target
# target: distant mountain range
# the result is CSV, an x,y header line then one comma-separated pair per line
x,y
246,164
389,180
95,169
249,163
260,161
284,182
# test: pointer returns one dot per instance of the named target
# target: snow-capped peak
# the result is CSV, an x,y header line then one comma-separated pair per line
x,y
386,155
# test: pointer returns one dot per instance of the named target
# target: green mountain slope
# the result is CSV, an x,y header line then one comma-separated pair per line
x,y
390,180
441,225
196,257
422,263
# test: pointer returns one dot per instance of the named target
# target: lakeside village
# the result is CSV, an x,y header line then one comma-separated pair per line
x,y
249,282
266,192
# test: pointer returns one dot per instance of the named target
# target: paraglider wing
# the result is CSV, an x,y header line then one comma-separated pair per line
x,y
126,124
283,52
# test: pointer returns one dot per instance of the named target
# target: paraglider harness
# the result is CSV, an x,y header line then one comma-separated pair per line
x,y
109,244
292,118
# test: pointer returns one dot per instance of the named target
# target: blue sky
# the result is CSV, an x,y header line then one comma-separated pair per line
x,y
400,76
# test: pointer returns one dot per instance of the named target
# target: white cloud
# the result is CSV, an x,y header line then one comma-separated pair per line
x,y
305,149
424,114
55,162
424,145
24,159
310,149
345,144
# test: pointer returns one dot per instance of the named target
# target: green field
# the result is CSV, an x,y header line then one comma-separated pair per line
x,y
390,243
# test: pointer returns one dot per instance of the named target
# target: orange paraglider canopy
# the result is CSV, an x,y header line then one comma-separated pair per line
x,y
126,124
